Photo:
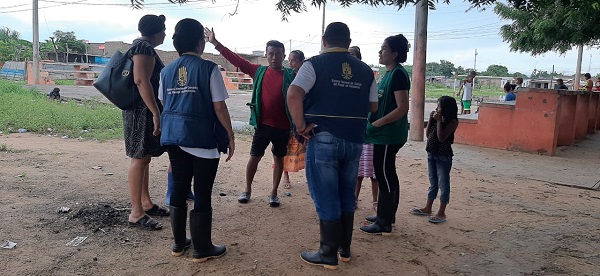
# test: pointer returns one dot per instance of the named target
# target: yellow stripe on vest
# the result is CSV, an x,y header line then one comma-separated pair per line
x,y
332,116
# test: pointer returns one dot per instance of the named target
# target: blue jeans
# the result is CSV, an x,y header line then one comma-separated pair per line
x,y
331,171
439,176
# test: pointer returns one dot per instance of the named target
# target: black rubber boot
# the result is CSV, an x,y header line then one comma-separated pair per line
x,y
178,223
200,227
347,228
330,242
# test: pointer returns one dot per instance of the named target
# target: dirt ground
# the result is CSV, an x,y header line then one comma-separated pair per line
x,y
496,225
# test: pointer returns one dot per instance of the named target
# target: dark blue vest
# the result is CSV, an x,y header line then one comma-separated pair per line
x,y
339,101
189,118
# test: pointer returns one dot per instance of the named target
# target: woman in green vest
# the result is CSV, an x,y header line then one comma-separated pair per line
x,y
388,130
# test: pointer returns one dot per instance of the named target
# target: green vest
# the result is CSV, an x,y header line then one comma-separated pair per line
x,y
392,133
255,102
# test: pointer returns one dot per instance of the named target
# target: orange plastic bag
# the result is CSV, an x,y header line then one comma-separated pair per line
x,y
294,160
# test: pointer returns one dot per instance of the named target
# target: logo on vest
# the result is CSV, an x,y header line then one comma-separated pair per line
x,y
182,78
346,71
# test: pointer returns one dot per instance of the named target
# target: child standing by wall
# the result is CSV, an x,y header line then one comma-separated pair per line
x,y
440,136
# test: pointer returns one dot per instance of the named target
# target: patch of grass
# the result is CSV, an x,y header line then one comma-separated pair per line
x,y
7,148
64,82
437,90
31,110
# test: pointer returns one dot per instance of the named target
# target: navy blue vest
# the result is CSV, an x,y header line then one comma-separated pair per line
x,y
189,118
339,101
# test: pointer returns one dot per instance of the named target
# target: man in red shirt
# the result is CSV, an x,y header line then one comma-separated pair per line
x,y
269,114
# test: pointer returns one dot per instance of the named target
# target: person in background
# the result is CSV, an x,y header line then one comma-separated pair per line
x,y
295,59
597,85
509,90
365,167
467,96
560,84
336,134
589,83
519,82
268,110
54,94
355,52
141,124
196,128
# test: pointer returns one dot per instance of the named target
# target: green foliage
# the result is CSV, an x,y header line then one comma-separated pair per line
x,y
12,47
62,40
496,71
443,68
434,91
538,74
31,110
519,74
286,7
64,82
541,26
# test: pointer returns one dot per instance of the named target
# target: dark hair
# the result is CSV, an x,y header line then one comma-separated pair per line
x,y
449,112
587,75
337,34
356,52
299,53
519,80
398,44
188,34
559,81
276,44
507,86
513,87
56,90
151,24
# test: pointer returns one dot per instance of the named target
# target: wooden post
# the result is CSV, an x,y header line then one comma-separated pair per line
x,y
417,95
36,44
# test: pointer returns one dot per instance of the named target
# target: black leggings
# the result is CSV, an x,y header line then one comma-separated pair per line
x,y
184,167
384,163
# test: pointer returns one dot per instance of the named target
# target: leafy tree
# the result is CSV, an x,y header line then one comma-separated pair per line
x,y
62,40
519,75
496,70
286,7
542,25
446,68
443,68
12,47
7,34
538,74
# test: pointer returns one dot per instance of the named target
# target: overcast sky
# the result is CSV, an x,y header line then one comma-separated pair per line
x,y
453,33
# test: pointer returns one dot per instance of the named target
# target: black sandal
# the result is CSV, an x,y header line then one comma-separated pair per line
x,y
147,223
157,211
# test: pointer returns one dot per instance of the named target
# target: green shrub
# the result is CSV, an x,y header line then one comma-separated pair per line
x,y
31,110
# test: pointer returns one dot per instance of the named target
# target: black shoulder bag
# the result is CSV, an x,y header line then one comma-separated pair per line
x,y
116,81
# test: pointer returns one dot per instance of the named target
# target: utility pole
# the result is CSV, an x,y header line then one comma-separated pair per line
x,y
417,102
590,65
323,27
36,43
578,70
475,62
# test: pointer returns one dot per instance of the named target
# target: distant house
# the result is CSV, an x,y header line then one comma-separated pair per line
x,y
551,82
108,48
